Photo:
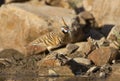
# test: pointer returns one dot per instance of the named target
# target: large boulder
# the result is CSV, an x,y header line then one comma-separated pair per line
x,y
104,11
23,23
46,12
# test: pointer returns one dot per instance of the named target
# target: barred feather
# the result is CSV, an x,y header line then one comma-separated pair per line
x,y
52,39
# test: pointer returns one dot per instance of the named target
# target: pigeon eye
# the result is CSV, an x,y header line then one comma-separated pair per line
x,y
64,30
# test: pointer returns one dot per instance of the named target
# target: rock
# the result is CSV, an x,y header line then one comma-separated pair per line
x,y
92,70
102,42
76,5
6,62
103,55
53,60
52,18
86,19
88,4
6,1
85,47
76,54
83,61
106,69
102,75
81,20
86,15
82,78
61,50
58,3
111,13
50,61
114,44
116,68
35,49
114,76
113,36
56,71
52,73
63,71
113,33
11,56
2,66
71,48
18,40
63,59
28,23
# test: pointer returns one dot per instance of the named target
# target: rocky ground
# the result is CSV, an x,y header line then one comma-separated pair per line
x,y
94,52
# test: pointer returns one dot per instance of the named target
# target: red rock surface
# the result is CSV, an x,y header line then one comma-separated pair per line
x,y
103,55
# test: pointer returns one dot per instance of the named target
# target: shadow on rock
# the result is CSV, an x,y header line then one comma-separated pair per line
x,y
76,67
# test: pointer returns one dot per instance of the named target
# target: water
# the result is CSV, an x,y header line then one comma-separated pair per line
x,y
30,78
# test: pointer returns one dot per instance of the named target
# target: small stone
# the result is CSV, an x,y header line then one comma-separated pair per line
x,y
106,68
92,69
5,62
102,75
52,73
61,50
86,15
83,61
83,16
2,66
63,59
113,36
76,54
114,44
63,71
55,71
72,48
113,61
85,47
